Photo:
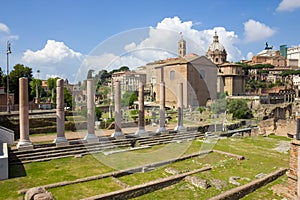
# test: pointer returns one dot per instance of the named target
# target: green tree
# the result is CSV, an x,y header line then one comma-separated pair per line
x,y
19,71
219,106
33,84
2,78
98,113
128,98
68,98
239,109
51,84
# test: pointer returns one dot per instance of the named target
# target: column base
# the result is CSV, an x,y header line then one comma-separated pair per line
x,y
141,133
91,138
24,145
180,129
61,141
162,130
118,134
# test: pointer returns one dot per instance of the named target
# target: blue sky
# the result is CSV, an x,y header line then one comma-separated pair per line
x,y
67,37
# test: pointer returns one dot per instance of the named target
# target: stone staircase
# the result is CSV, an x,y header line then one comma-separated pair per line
x,y
44,152
168,138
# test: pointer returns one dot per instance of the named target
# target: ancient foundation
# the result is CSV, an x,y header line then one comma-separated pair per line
x,y
60,114
118,116
294,165
141,123
24,142
91,137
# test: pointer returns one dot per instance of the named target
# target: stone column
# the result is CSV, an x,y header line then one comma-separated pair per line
x,y
162,110
24,142
141,129
90,91
118,116
60,114
180,127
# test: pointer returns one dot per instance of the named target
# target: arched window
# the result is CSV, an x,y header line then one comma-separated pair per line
x,y
172,75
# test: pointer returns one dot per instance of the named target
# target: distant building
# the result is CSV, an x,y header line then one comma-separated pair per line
x,y
294,53
129,80
3,99
231,79
197,73
216,51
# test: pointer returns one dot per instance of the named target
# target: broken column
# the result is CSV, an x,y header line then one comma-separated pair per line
x,y
24,142
60,114
118,116
180,127
162,109
141,123
91,137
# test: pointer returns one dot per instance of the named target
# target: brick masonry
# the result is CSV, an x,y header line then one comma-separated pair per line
x,y
293,169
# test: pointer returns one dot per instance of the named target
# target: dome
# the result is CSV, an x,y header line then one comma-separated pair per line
x,y
216,46
216,51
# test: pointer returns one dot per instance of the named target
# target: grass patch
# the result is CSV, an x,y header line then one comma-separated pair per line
x,y
259,153
90,188
42,173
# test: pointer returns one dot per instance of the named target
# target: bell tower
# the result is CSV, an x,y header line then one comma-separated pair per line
x,y
181,47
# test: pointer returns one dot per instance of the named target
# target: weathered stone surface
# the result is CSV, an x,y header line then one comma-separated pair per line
x,y
233,181
172,171
43,196
34,191
218,184
198,182
260,175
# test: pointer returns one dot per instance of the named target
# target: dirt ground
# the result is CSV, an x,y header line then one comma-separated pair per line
x,y
39,138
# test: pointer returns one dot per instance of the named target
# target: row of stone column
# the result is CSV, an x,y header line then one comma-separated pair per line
x,y
24,141
141,112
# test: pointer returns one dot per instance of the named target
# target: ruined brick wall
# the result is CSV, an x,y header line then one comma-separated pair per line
x,y
293,168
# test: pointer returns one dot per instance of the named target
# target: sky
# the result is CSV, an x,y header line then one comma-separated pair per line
x,y
66,38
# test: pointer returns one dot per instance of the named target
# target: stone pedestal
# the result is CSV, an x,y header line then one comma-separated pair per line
x,y
162,110
141,123
91,137
60,139
24,142
118,116
180,128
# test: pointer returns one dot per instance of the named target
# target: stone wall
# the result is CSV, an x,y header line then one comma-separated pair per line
x,y
142,189
3,161
6,135
241,191
293,169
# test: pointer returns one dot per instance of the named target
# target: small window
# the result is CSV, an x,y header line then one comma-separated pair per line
x,y
172,75
217,60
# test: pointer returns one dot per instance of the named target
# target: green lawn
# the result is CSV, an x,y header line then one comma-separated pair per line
x,y
259,158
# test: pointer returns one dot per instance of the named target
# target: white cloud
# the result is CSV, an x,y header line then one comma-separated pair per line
x,y
160,42
163,38
53,52
288,5
256,31
250,55
4,28
130,46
